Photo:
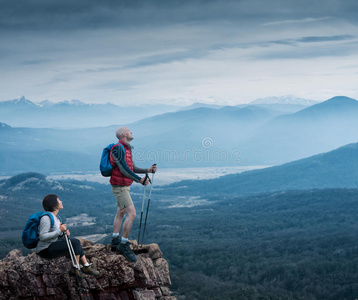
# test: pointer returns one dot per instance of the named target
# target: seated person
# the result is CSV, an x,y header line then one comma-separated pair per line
x,y
49,245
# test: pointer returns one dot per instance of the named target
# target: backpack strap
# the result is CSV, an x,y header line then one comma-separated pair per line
x,y
50,216
124,150
115,158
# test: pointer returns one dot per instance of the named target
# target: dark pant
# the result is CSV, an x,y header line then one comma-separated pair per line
x,y
59,248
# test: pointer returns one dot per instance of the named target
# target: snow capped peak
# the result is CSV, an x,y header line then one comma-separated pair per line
x,y
72,102
45,103
21,101
3,125
289,99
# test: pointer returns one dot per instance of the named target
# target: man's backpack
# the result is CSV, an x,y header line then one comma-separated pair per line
x,y
105,165
30,235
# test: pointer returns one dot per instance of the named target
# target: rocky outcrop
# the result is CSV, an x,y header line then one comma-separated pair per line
x,y
31,277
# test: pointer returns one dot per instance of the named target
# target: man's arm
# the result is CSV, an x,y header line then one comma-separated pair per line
x,y
139,170
119,157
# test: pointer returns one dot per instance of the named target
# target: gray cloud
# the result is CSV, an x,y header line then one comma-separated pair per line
x,y
300,53
299,21
310,39
333,38
47,15
170,46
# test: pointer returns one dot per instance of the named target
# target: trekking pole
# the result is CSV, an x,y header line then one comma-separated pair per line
x,y
76,265
141,213
146,214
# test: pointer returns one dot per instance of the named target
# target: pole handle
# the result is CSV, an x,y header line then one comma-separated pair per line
x,y
153,166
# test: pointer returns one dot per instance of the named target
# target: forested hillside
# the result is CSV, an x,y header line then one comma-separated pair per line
x,y
284,245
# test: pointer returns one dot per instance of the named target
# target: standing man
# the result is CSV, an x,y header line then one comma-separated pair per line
x,y
123,175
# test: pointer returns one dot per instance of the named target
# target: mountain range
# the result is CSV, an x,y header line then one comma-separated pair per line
x,y
289,99
22,112
255,134
284,104
203,136
315,129
171,139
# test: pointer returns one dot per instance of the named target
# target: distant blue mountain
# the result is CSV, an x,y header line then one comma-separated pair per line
x,y
4,126
284,104
73,114
186,130
335,169
334,107
22,112
318,128
17,103
171,139
200,137
289,100
199,105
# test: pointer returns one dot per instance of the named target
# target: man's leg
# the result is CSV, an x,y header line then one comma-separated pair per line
x,y
116,227
118,220
121,193
124,246
127,225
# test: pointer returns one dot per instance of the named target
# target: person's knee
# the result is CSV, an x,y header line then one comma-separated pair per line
x,y
132,215
76,244
120,213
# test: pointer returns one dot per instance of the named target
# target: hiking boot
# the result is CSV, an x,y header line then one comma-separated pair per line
x,y
115,242
127,251
75,271
90,271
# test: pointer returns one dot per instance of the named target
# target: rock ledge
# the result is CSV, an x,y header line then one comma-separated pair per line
x,y
31,277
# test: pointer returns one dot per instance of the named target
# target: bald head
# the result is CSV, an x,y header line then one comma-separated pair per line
x,y
124,134
120,131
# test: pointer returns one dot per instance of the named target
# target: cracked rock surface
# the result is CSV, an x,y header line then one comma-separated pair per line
x,y
32,277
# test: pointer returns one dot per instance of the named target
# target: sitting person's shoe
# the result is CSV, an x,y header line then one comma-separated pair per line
x,y
127,251
90,271
115,242
75,271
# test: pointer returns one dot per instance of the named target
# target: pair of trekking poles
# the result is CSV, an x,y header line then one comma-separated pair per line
x,y
84,292
141,213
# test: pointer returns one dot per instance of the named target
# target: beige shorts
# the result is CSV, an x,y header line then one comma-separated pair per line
x,y
122,195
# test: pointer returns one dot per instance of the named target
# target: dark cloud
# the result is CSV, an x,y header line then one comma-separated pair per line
x,y
334,38
311,39
90,14
99,43
168,58
84,14
300,53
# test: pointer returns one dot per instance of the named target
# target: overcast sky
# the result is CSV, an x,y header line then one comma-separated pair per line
x,y
177,51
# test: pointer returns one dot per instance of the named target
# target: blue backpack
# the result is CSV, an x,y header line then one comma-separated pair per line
x,y
30,235
105,165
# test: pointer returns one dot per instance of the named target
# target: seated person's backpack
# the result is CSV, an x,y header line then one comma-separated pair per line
x,y
30,235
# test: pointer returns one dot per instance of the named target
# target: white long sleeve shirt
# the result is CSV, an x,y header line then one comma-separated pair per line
x,y
48,234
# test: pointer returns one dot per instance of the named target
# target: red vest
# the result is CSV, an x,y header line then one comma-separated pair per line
x,y
117,177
